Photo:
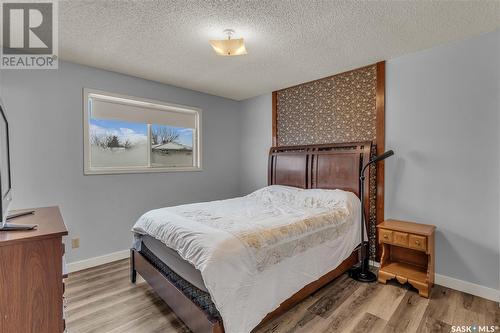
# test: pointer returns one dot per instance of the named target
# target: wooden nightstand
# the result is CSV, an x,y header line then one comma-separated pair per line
x,y
407,254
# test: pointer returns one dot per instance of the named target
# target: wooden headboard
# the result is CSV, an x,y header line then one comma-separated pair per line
x,y
325,166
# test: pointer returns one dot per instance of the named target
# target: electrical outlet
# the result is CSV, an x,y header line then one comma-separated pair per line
x,y
75,243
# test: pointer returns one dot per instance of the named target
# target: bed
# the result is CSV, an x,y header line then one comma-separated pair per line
x,y
234,264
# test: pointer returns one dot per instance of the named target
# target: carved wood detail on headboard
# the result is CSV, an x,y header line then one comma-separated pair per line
x,y
325,166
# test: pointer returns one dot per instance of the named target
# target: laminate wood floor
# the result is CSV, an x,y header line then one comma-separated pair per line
x,y
102,299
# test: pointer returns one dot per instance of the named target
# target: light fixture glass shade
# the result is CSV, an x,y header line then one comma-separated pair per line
x,y
229,47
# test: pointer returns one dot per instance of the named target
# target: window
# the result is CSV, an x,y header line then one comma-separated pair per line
x,y
126,134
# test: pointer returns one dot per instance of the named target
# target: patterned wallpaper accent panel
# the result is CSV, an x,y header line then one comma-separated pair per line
x,y
338,108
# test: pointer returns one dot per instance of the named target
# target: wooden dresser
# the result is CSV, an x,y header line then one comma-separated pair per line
x,y
407,254
31,273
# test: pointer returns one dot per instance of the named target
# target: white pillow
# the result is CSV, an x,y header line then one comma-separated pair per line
x,y
307,198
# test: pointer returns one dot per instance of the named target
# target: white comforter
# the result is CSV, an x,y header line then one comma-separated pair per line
x,y
256,251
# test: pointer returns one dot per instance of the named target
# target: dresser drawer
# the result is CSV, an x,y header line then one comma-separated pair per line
x,y
418,242
400,238
385,236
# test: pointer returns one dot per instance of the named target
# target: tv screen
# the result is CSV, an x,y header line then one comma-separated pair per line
x,y
5,182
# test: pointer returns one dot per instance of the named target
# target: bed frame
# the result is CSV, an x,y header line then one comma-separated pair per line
x,y
327,166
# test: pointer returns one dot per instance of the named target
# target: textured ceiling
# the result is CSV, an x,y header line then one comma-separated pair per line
x,y
288,42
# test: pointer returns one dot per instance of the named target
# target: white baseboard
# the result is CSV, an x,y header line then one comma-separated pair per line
x,y
464,286
468,287
96,261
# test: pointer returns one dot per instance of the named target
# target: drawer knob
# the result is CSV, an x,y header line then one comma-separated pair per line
x,y
385,236
417,242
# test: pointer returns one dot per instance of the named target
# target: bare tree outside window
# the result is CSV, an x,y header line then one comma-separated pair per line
x,y
109,141
163,135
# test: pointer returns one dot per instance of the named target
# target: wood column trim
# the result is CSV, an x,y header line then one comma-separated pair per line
x,y
275,119
380,142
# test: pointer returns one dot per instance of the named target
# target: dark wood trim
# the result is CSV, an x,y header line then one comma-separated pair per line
x,y
275,118
380,144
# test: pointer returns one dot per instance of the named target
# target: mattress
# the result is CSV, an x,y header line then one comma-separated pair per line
x,y
199,297
174,261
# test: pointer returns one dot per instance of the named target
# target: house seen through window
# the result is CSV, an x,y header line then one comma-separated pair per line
x,y
125,134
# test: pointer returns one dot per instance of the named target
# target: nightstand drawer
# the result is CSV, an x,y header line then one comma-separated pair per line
x,y
400,238
385,236
418,242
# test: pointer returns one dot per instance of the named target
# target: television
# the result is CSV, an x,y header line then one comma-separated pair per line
x,y
5,179
5,182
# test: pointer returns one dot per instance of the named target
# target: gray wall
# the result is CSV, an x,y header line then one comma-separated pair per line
x,y
442,112
442,119
45,114
256,139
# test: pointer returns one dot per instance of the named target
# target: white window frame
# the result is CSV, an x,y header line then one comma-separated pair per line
x,y
87,167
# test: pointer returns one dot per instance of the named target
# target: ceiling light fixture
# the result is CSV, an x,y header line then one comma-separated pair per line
x,y
229,47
